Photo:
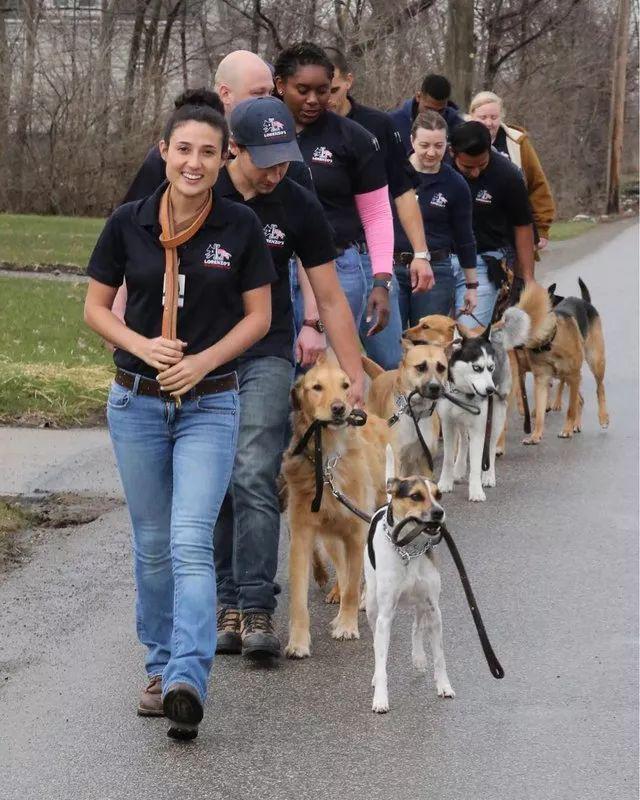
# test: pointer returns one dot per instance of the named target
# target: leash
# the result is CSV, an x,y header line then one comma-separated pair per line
x,y
523,391
486,459
356,418
406,407
463,313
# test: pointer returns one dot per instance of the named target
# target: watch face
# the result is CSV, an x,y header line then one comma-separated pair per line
x,y
320,326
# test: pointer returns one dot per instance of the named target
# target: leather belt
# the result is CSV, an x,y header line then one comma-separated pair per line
x,y
151,388
406,258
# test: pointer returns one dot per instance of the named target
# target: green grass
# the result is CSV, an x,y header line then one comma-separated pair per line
x,y
28,239
568,229
12,520
53,369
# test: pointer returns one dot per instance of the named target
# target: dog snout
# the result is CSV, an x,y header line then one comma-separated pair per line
x,y
490,390
338,409
434,390
437,514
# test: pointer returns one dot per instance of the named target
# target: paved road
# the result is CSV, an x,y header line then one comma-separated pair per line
x,y
553,558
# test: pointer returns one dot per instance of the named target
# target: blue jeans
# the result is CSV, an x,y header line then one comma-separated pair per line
x,y
487,292
247,532
352,279
175,465
384,348
438,300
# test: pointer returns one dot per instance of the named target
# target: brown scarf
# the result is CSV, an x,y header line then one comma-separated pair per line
x,y
171,238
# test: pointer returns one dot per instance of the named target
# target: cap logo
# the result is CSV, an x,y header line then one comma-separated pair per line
x,y
217,256
273,127
322,155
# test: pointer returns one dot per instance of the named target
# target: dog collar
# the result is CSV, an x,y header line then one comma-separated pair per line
x,y
411,550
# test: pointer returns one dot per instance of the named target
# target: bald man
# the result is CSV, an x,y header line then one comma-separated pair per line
x,y
240,76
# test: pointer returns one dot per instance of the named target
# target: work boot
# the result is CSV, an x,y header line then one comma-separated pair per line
x,y
259,640
183,708
150,704
228,640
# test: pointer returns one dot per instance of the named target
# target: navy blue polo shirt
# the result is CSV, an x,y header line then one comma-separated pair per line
x,y
153,173
345,160
228,256
400,174
445,203
500,203
293,222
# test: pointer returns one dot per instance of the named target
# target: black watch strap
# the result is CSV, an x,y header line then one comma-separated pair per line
x,y
316,324
384,283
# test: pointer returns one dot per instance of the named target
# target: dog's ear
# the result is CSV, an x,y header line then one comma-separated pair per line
x,y
407,344
486,333
552,289
393,484
296,389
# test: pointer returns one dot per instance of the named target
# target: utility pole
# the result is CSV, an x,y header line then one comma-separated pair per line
x,y
616,127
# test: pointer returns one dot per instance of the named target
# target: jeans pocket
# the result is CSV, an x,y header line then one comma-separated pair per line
x,y
118,396
349,261
222,403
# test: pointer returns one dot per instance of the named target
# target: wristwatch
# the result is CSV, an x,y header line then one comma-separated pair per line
x,y
316,324
424,254
383,283
472,285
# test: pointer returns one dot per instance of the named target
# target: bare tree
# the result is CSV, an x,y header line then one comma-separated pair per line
x,y
620,58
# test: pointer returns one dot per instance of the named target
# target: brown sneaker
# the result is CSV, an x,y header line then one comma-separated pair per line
x,y
150,704
259,640
229,640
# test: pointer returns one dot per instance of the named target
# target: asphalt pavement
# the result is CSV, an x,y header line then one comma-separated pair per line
x,y
553,559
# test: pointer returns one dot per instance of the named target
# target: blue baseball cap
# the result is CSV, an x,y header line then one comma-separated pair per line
x,y
265,126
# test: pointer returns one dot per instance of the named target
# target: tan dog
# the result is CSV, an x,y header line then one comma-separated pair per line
x,y
358,454
560,340
433,329
423,369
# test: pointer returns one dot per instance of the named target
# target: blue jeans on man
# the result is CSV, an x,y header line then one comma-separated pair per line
x,y
384,347
248,528
175,465
487,290
438,300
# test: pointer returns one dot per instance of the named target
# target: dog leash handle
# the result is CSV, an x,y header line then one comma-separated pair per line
x,y
492,660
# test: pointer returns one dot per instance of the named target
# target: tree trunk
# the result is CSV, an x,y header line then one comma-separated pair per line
x,y
620,58
103,80
132,64
5,99
31,14
460,49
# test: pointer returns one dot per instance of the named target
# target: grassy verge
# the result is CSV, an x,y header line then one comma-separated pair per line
x,y
12,520
570,228
27,239
53,369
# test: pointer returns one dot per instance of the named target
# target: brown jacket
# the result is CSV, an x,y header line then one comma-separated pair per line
x,y
523,155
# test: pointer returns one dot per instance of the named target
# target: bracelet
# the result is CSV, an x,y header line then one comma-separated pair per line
x,y
473,285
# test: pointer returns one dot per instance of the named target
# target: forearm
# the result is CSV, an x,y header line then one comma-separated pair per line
x,y
308,297
106,324
411,220
251,328
341,332
525,250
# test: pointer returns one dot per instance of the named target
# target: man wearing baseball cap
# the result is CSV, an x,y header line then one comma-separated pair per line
x,y
263,142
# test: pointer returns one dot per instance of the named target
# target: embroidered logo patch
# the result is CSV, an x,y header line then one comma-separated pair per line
x,y
483,196
272,127
217,256
439,200
274,236
322,155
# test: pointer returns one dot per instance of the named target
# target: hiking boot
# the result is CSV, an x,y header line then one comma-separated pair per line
x,y
183,708
259,640
150,703
228,640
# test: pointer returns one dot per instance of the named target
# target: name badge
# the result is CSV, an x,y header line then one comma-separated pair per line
x,y
182,279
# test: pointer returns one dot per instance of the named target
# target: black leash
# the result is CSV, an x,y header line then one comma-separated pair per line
x,y
470,407
392,421
522,378
486,458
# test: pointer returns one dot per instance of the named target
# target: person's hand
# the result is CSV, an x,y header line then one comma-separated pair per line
x,y
378,304
356,390
542,243
421,275
161,353
184,375
309,345
470,301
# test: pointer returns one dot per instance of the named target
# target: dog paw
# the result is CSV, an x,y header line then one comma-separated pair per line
x,y
333,597
380,704
477,496
445,486
531,440
564,434
343,630
293,650
489,479
444,689
604,421
500,451
420,663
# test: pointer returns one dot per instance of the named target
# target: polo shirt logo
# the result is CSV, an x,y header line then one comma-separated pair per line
x,y
439,200
217,256
274,236
483,196
272,127
322,155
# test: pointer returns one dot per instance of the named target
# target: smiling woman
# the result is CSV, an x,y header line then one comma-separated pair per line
x,y
198,277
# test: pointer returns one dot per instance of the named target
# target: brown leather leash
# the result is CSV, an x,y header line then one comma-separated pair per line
x,y
171,240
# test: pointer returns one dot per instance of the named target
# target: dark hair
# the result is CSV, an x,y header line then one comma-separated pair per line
x,y
339,59
471,138
200,105
430,121
436,86
301,54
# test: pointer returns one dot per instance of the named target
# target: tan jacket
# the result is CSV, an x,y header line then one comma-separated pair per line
x,y
523,155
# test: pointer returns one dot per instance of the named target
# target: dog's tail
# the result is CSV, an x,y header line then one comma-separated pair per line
x,y
371,368
584,291
516,328
536,304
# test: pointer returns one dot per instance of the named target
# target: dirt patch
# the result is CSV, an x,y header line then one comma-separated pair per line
x,y
24,518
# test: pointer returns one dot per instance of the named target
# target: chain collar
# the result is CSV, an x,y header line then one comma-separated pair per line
x,y
411,550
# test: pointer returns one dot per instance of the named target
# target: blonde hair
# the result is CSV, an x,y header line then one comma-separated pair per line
x,y
486,97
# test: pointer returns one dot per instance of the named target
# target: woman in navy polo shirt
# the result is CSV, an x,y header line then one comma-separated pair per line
x,y
445,202
172,409
349,177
